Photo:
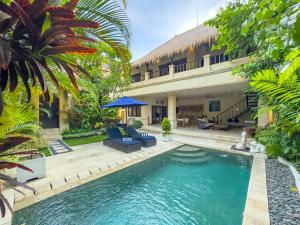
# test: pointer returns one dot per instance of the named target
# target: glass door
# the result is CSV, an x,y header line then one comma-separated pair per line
x,y
158,113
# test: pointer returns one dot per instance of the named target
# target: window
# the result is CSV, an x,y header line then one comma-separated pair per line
x,y
134,111
136,78
214,106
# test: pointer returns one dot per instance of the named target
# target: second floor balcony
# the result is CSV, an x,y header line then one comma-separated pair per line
x,y
170,71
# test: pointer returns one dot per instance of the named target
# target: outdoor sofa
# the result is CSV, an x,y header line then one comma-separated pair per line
x,y
117,141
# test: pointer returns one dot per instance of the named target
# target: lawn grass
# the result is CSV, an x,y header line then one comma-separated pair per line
x,y
45,151
85,140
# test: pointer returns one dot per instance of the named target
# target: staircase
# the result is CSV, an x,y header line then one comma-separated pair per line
x,y
239,109
190,156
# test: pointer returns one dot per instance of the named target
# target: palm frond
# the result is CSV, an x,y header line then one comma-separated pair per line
x,y
115,27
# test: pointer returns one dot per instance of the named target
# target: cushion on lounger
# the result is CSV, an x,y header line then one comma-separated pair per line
x,y
113,133
120,141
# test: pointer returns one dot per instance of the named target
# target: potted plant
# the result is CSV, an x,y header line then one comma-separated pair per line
x,y
35,162
166,129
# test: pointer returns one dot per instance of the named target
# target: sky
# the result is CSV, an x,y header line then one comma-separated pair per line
x,y
156,21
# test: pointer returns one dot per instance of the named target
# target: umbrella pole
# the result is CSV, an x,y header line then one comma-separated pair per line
x,y
126,115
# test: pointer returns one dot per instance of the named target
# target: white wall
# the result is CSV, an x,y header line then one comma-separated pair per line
x,y
225,103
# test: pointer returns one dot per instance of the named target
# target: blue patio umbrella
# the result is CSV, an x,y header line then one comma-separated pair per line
x,y
124,102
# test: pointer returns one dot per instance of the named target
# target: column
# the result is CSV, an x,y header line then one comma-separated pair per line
x,y
172,110
63,110
206,59
171,69
145,114
147,74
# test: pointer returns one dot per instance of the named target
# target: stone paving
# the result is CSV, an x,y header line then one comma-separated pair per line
x,y
91,161
85,163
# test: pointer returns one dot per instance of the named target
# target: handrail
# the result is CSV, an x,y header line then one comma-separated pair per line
x,y
159,73
241,106
188,66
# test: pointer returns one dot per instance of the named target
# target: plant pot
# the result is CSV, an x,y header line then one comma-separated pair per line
x,y
37,165
166,138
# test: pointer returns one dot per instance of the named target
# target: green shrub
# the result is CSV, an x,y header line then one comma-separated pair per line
x,y
76,131
166,126
35,143
79,135
137,124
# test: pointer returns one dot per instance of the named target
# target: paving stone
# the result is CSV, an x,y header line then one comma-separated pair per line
x,y
57,183
84,174
120,162
112,165
19,197
71,178
94,170
103,168
127,159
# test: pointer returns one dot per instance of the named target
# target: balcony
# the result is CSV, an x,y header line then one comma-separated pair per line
x,y
208,65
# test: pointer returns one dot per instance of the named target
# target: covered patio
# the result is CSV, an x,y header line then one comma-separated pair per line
x,y
218,110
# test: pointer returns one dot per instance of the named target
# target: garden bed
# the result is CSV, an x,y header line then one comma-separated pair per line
x,y
283,197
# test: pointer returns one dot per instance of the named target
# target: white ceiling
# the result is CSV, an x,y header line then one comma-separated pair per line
x,y
208,92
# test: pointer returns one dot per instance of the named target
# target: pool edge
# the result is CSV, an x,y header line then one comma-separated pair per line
x,y
256,209
111,168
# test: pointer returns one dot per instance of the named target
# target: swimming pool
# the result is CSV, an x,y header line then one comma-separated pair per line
x,y
188,185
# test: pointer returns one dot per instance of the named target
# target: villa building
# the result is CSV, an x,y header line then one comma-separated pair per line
x,y
184,80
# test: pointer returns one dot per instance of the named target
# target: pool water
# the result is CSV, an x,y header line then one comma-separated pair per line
x,y
188,185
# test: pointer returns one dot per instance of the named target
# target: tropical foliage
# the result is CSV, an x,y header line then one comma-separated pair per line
x,y
271,29
18,115
42,41
35,34
108,79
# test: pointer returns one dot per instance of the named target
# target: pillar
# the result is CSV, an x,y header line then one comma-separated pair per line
x,y
171,69
63,110
145,114
172,110
147,76
206,59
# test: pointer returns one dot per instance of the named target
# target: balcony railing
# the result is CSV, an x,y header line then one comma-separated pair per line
x,y
188,66
206,61
159,73
138,78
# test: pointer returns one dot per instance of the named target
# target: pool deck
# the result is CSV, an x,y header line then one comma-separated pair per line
x,y
91,161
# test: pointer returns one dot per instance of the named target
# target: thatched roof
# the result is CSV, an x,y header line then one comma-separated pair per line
x,y
180,43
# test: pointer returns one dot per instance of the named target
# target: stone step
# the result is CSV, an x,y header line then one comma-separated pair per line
x,y
196,154
191,160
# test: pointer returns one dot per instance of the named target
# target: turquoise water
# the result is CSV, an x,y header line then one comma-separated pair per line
x,y
188,185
